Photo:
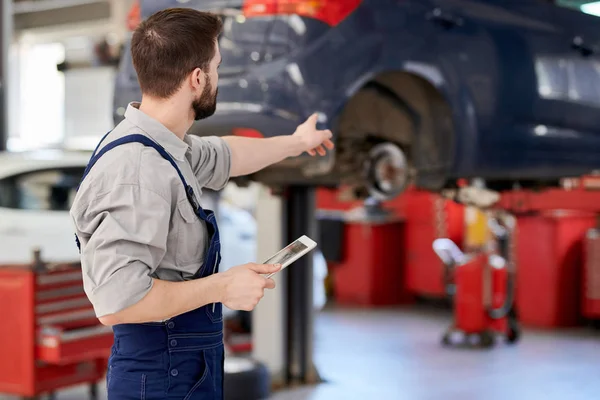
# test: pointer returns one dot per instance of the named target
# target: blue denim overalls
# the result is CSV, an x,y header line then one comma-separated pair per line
x,y
181,358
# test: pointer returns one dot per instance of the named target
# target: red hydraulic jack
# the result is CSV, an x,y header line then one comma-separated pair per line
x,y
481,286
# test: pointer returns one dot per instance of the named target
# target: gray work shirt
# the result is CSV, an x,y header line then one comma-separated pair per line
x,y
132,215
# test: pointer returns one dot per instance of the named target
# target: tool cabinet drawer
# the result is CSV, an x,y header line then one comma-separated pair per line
x,y
59,345
52,339
61,301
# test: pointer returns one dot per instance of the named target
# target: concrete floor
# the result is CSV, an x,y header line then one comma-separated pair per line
x,y
395,354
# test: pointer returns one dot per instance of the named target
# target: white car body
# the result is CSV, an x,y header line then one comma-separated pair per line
x,y
23,230
31,222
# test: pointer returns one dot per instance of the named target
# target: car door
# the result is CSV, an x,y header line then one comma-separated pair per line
x,y
581,53
34,213
496,52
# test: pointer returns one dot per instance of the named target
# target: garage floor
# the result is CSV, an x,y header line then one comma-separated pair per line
x,y
396,355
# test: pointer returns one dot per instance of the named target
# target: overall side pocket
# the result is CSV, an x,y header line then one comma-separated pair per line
x,y
121,387
204,386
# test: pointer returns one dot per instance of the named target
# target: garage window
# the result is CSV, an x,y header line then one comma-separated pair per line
x,y
8,194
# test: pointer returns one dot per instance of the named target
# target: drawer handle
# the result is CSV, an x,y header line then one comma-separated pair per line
x,y
51,279
55,337
52,294
62,305
70,317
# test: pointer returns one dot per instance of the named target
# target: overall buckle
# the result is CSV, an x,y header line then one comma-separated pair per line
x,y
192,198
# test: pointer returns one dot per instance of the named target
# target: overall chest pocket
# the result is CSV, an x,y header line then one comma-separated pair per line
x,y
191,235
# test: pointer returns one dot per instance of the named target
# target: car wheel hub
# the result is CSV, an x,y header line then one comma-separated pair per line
x,y
387,171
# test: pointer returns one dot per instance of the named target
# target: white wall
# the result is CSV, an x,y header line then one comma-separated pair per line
x,y
13,91
88,103
48,107
36,96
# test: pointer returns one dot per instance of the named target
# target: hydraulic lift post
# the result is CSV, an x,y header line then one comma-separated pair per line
x,y
268,318
300,219
6,27
282,324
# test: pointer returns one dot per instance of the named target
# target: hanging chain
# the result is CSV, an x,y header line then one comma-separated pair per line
x,y
441,231
441,225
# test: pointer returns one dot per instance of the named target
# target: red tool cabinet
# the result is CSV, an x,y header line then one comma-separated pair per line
x,y
49,337
549,265
591,276
371,273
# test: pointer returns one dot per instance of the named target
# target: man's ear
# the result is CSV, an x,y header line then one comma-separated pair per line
x,y
197,79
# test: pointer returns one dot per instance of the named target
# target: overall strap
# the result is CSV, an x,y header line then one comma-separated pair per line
x,y
146,141
87,168
100,143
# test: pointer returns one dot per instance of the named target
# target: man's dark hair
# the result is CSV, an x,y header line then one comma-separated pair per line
x,y
169,45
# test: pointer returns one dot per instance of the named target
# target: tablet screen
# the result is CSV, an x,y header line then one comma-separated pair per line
x,y
287,253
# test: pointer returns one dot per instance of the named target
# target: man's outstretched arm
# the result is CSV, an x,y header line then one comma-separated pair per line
x,y
215,160
249,155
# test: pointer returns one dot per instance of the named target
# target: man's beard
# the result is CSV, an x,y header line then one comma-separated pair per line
x,y
205,105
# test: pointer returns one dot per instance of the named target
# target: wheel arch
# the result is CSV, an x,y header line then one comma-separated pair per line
x,y
420,94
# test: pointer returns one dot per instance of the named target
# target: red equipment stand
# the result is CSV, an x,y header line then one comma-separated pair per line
x,y
50,338
481,285
591,276
475,280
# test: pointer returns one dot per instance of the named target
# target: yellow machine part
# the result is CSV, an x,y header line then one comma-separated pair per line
x,y
477,232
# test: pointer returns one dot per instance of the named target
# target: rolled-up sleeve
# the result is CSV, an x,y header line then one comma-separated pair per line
x,y
128,240
211,161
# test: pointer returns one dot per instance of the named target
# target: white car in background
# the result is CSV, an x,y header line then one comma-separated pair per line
x,y
36,192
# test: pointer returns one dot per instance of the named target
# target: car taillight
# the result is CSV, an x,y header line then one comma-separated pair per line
x,y
133,16
331,12
247,132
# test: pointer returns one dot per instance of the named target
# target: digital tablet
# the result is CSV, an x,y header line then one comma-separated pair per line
x,y
291,252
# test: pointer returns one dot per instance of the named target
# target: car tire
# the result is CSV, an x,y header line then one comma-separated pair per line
x,y
246,379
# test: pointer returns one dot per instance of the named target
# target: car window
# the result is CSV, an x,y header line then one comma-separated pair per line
x,y
585,6
8,193
46,190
